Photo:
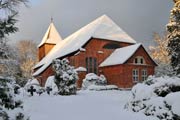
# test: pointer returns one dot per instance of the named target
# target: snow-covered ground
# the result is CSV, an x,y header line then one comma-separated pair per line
x,y
86,105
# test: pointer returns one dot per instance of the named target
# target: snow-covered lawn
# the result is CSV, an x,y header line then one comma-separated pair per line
x,y
86,105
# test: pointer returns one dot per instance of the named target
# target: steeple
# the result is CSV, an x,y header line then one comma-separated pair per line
x,y
50,39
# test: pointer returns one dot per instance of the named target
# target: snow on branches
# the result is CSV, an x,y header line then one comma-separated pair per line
x,y
65,77
173,27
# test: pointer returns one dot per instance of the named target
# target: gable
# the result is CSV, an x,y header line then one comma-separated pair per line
x,y
141,52
126,55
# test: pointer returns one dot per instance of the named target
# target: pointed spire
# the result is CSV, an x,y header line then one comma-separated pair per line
x,y
52,36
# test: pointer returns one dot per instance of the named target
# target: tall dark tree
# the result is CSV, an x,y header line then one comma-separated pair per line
x,y
8,12
8,100
173,27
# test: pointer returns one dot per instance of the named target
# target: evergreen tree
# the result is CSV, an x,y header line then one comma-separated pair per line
x,y
10,107
65,77
8,101
8,12
173,28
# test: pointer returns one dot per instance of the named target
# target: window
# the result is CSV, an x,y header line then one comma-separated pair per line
x,y
111,46
144,74
91,65
135,75
72,61
139,60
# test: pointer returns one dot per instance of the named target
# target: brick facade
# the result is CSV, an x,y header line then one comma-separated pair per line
x,y
120,75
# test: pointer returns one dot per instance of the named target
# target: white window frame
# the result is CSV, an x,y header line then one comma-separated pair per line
x,y
138,59
135,75
144,74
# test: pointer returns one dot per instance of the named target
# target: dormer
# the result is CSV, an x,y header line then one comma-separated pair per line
x,y
50,39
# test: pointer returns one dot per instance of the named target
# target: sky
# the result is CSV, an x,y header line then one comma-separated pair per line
x,y
139,18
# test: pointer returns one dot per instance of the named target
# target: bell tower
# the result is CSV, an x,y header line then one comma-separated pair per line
x,y
50,39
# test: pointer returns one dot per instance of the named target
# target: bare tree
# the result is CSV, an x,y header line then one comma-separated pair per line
x,y
159,52
161,55
27,56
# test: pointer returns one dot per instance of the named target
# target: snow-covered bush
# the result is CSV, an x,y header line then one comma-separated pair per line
x,y
33,82
50,83
152,97
10,104
65,77
102,87
94,82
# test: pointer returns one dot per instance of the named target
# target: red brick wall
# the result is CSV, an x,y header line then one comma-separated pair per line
x,y
43,76
121,75
92,48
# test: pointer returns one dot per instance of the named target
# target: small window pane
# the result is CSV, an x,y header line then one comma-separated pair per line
x,y
136,60
135,75
144,74
142,61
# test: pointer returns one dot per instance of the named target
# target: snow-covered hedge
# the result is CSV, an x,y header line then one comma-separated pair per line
x,y
102,87
157,97
94,82
93,79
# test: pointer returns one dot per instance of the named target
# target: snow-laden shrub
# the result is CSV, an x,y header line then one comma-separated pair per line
x,y
153,98
36,86
94,82
50,83
163,85
172,100
102,87
10,104
65,77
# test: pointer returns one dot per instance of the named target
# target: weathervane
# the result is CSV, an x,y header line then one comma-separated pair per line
x,y
51,19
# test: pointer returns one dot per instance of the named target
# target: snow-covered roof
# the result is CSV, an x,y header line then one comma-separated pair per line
x,y
120,56
51,36
103,28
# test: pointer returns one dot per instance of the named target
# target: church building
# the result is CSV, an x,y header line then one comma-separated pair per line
x,y
101,47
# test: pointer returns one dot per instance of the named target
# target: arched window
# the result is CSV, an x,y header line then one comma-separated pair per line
x,y
91,65
139,60
111,46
